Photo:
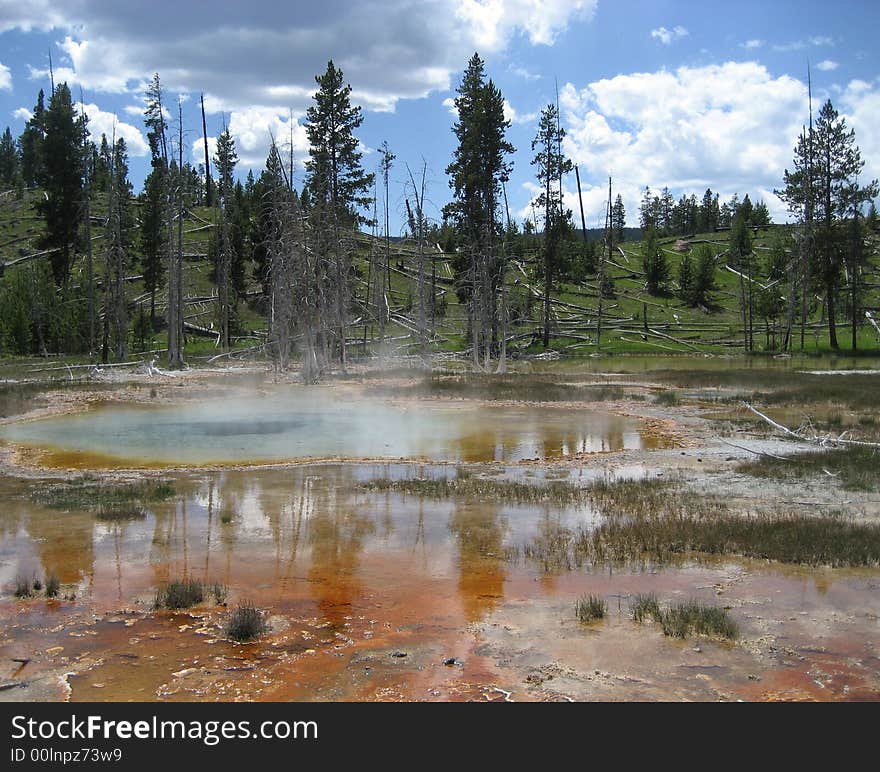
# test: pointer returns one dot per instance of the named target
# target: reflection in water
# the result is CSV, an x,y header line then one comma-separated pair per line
x,y
353,574
269,533
299,423
479,531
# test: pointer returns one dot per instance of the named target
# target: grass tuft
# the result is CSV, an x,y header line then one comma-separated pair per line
x,y
22,587
554,492
854,466
246,623
589,608
86,493
645,607
682,620
669,397
53,584
182,593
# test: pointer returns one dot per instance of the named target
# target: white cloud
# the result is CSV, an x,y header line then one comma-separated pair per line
x,y
860,105
513,116
266,53
22,113
752,44
730,127
253,129
492,22
102,122
523,72
5,78
827,65
668,36
799,45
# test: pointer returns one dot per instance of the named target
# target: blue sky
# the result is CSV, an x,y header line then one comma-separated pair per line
x,y
684,94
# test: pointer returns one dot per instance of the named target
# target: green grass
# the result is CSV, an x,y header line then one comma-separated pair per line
x,y
514,388
645,607
589,608
553,492
855,467
682,620
246,623
179,594
87,493
116,513
816,541
668,397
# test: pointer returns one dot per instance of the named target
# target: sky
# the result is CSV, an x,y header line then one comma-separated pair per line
x,y
682,94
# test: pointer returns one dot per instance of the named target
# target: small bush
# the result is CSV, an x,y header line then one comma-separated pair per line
x,y
590,608
22,587
37,584
53,584
246,623
182,593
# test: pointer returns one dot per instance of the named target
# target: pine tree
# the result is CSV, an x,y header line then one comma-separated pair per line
x,y
476,173
8,160
686,280
709,212
654,263
31,143
823,190
552,165
667,204
225,160
740,250
118,247
761,215
647,211
618,219
338,189
152,237
60,176
704,275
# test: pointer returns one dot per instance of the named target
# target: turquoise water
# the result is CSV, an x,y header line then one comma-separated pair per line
x,y
298,423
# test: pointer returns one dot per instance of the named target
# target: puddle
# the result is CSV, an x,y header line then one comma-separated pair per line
x,y
292,424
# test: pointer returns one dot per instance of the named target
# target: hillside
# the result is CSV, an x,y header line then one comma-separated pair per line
x,y
633,319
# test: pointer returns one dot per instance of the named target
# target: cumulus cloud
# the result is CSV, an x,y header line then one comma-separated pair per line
x,y
5,77
257,63
107,123
512,115
267,54
22,114
752,44
492,22
668,36
826,65
730,127
860,105
254,130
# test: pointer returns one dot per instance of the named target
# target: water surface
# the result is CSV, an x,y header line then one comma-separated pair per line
x,y
290,424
